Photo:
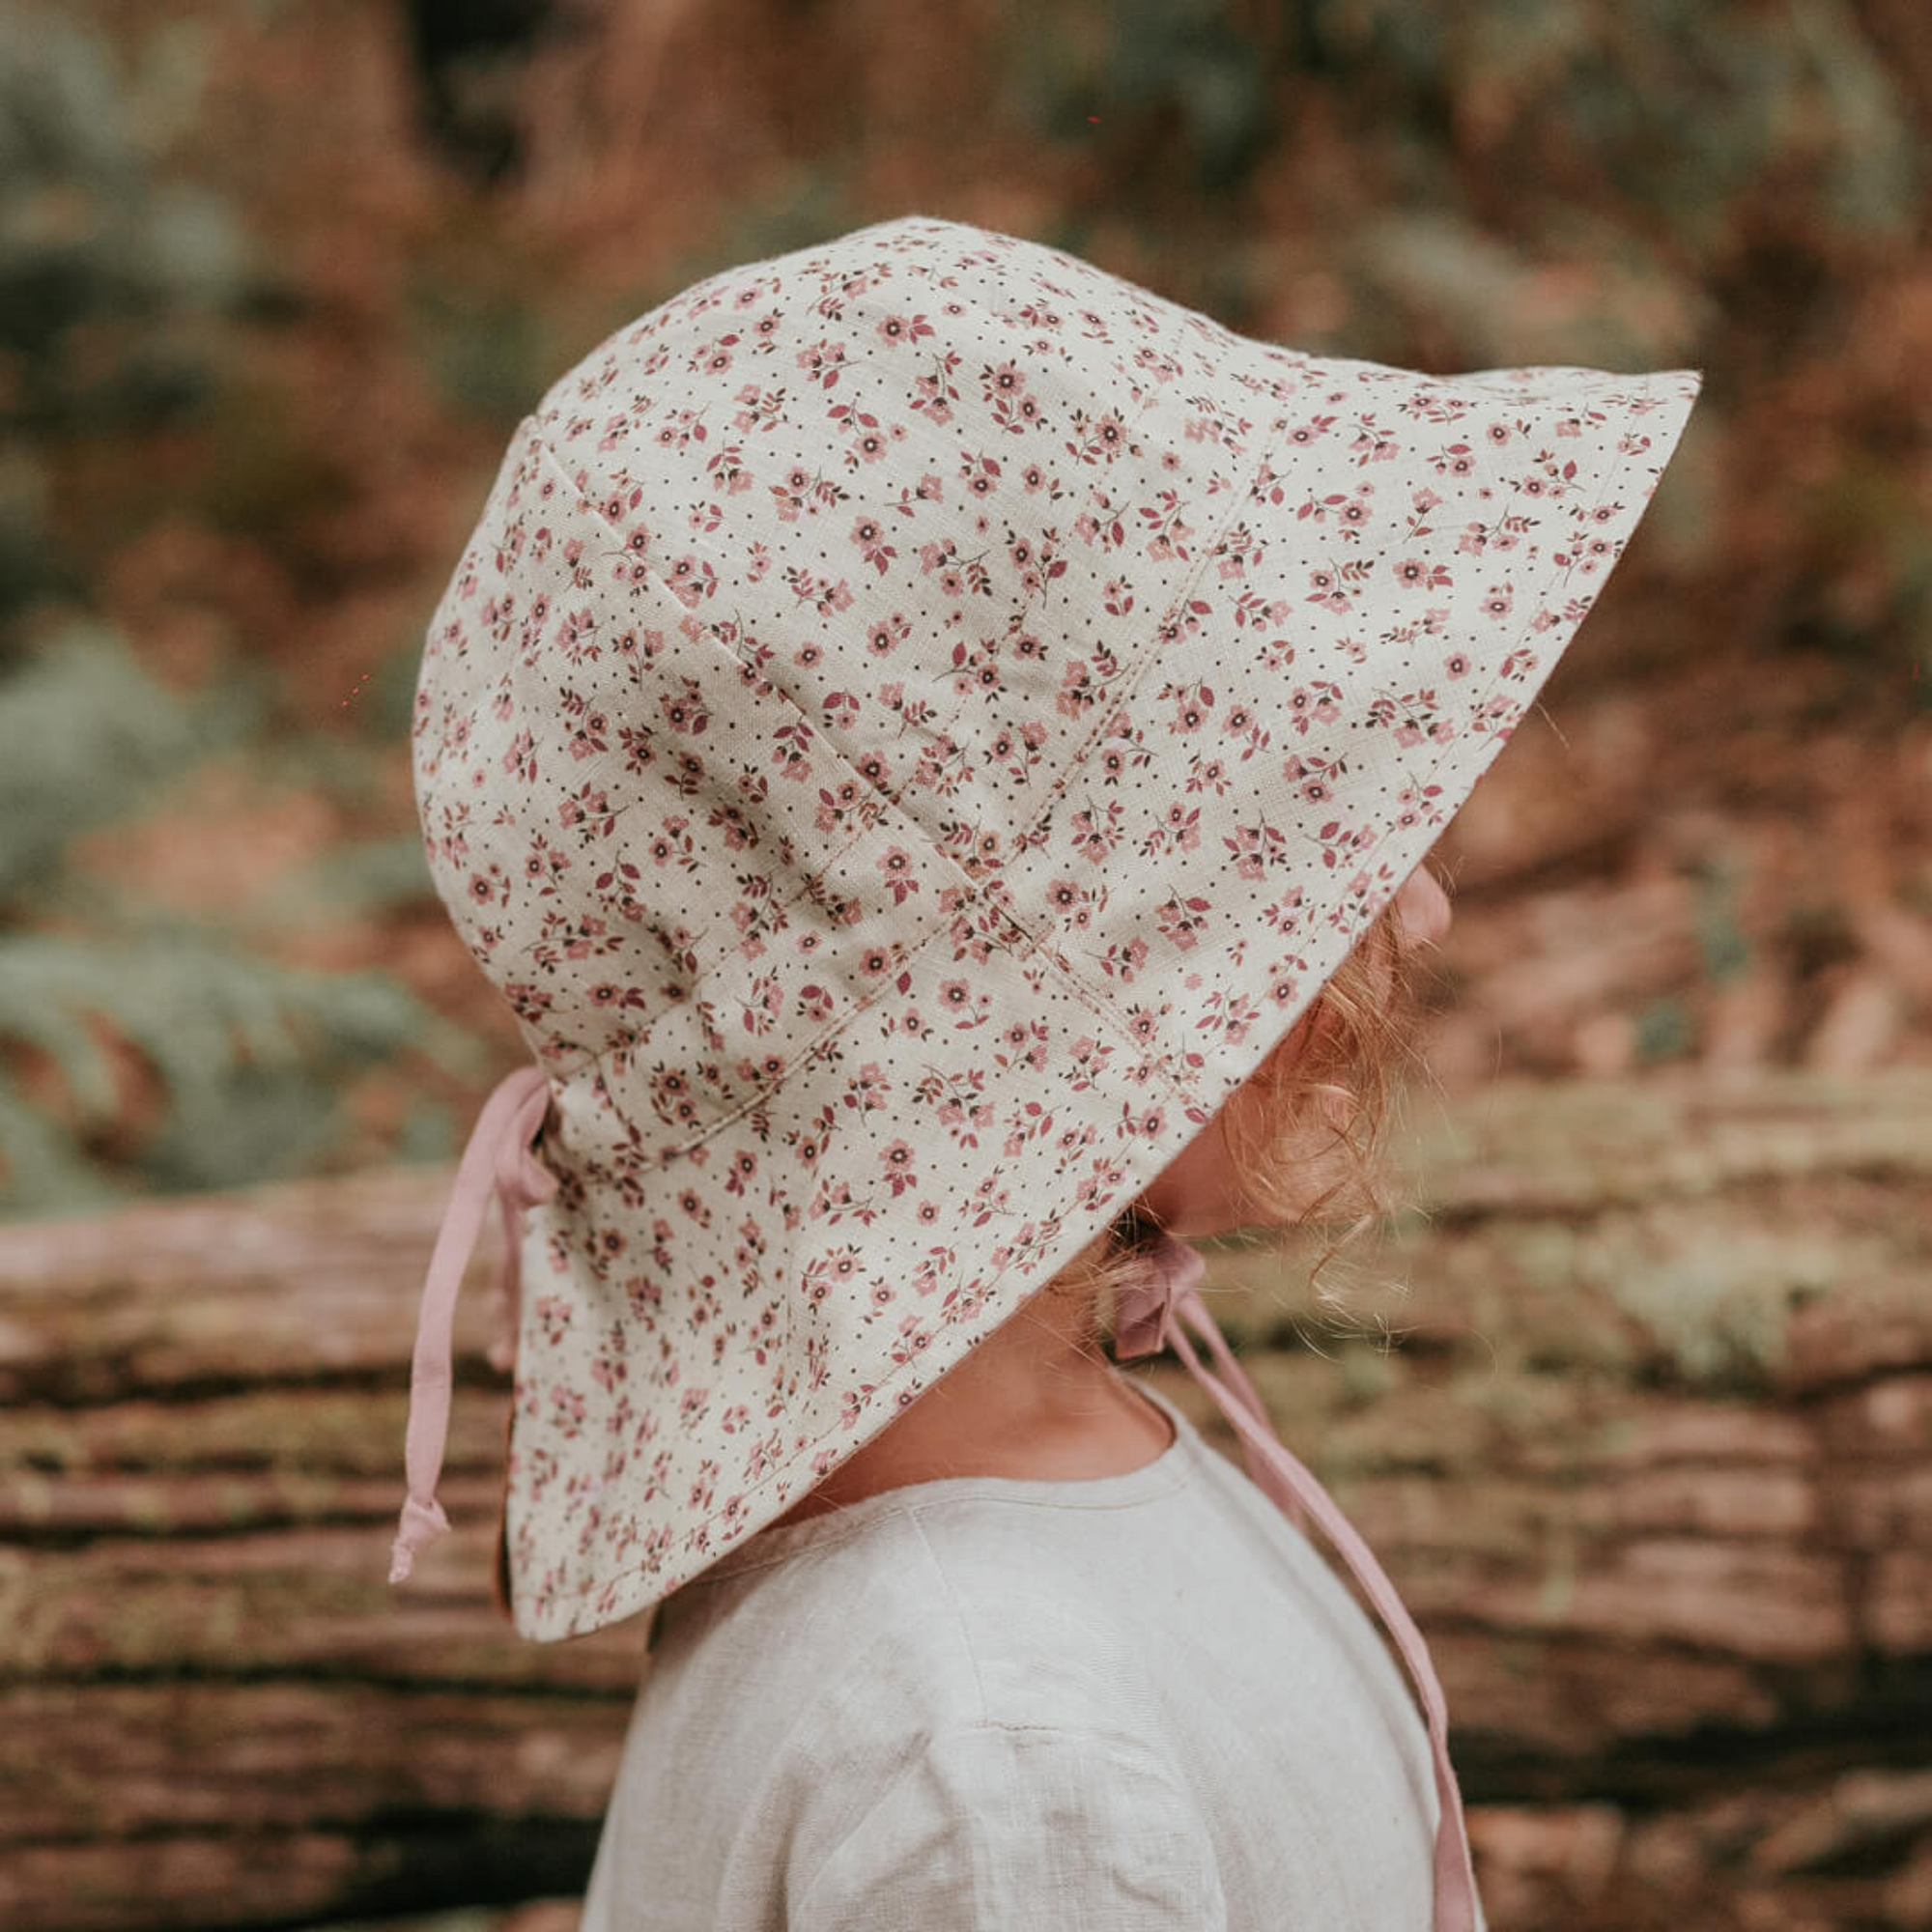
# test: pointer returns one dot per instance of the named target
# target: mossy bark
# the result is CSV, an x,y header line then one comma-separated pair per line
x,y
1635,1409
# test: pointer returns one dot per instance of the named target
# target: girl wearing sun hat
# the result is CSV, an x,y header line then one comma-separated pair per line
x,y
936,744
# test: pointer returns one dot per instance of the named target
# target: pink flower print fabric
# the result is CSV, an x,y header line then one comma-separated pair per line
x,y
918,719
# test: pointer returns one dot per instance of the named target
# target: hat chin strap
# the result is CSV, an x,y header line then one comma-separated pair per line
x,y
498,1159
1155,1311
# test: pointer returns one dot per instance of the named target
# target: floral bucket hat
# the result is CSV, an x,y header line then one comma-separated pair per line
x,y
919,720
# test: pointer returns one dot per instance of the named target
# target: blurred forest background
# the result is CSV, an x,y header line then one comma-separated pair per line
x,y
277,278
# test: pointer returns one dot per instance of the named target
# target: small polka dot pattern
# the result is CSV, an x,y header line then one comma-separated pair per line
x,y
918,719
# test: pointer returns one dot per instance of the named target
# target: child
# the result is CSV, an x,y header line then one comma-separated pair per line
x,y
937,744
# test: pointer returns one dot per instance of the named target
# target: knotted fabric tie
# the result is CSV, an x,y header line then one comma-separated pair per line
x,y
1155,1312
499,1158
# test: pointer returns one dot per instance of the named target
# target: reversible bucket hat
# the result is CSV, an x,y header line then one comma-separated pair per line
x,y
919,720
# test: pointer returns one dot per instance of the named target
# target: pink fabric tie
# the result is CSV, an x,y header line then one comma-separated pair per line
x,y
499,1157
1150,1315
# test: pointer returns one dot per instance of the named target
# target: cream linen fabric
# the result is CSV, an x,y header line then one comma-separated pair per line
x,y
1132,1704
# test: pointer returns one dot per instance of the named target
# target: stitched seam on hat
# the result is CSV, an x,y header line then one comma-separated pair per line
x,y
1049,950
902,826
1619,464
914,831
702,977
1051,957
1133,676
1055,958
1095,999
974,889
810,1052
1109,1021
805,884
1034,945
1092,997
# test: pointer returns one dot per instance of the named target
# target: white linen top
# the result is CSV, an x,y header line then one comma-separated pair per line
x,y
1131,1703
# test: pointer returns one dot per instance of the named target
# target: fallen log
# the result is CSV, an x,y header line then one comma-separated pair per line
x,y
1635,1408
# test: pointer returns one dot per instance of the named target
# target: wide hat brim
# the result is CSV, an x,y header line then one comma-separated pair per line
x,y
864,1106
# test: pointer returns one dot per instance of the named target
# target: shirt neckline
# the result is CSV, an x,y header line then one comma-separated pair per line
x,y
1167,1471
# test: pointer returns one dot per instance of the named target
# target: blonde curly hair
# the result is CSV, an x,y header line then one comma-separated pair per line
x,y
1343,1067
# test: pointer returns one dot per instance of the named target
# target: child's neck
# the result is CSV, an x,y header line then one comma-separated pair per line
x,y
1031,1401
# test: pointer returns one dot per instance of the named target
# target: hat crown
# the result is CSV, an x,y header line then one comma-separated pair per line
x,y
815,595
761,774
